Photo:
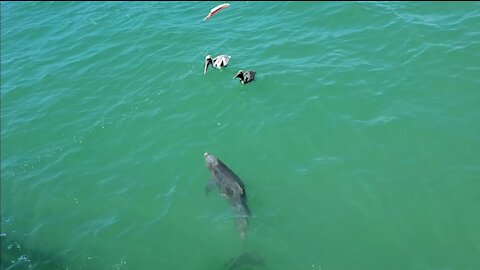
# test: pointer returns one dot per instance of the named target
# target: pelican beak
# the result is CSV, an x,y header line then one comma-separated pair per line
x,y
205,67
207,63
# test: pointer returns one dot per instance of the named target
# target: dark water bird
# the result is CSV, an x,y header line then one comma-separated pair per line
x,y
217,62
245,76
246,259
230,187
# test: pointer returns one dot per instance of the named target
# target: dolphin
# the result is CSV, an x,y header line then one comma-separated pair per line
x,y
230,187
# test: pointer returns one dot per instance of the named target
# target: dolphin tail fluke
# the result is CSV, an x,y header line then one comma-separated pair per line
x,y
246,259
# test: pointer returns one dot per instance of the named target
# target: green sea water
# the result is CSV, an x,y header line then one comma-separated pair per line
x,y
358,142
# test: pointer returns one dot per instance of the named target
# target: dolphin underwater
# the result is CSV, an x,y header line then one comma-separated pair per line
x,y
230,187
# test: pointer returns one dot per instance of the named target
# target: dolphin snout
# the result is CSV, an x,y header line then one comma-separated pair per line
x,y
210,160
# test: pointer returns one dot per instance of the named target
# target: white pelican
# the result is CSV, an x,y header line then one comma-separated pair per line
x,y
217,62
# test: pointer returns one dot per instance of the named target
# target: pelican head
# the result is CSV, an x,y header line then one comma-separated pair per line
x,y
239,75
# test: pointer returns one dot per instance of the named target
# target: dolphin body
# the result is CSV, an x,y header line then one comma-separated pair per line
x,y
231,187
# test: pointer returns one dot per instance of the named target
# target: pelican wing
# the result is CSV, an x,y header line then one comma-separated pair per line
x,y
221,61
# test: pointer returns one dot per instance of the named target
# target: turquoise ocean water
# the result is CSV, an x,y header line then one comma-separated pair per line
x,y
358,141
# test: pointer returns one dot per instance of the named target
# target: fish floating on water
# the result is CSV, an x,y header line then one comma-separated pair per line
x,y
215,10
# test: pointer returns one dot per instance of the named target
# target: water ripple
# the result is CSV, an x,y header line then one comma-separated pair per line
x,y
106,113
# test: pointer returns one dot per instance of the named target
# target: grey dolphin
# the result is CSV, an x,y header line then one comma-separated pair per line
x,y
245,76
231,187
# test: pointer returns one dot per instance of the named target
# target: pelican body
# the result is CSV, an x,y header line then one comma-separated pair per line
x,y
245,76
217,62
